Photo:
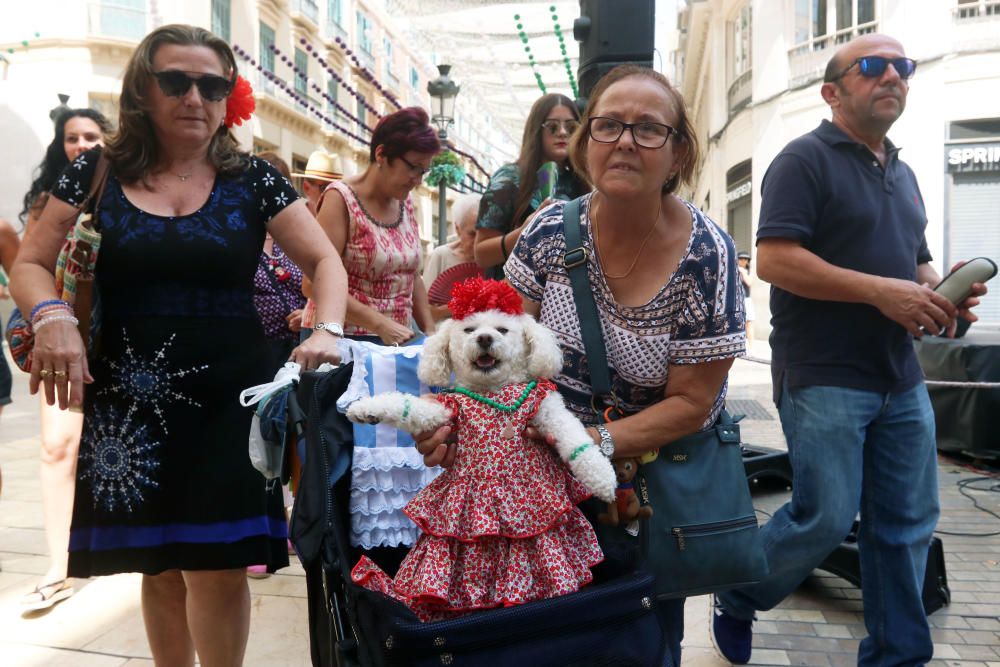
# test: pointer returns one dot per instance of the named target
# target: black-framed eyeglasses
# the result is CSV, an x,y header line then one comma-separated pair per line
x,y
873,67
645,134
177,83
552,126
415,169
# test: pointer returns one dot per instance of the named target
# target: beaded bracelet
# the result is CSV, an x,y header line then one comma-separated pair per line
x,y
54,318
579,450
47,302
50,310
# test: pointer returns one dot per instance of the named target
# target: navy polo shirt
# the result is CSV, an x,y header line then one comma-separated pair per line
x,y
829,192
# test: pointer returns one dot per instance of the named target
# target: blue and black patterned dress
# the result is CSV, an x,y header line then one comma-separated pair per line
x,y
164,480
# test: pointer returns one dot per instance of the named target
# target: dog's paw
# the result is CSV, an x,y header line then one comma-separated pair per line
x,y
363,411
596,472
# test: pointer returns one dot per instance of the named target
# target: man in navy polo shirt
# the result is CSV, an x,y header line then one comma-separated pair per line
x,y
841,239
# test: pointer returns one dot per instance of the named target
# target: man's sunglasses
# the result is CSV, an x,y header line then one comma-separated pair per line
x,y
874,67
175,83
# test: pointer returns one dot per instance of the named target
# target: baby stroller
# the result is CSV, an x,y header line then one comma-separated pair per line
x,y
611,622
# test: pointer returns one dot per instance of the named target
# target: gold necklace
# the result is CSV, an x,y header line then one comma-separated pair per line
x,y
631,267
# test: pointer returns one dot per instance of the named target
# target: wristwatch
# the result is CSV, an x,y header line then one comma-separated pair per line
x,y
607,445
331,327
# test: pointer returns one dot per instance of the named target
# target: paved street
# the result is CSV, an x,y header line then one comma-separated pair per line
x,y
101,625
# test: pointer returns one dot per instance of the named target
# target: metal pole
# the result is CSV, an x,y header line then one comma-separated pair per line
x,y
442,213
443,198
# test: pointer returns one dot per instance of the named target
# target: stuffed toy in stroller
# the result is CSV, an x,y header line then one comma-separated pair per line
x,y
501,526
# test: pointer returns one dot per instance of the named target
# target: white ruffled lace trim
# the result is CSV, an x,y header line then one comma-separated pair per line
x,y
379,537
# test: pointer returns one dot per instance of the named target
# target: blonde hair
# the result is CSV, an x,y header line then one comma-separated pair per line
x,y
684,132
134,149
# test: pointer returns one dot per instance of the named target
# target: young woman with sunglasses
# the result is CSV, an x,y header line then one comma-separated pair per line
x,y
513,194
77,131
369,217
164,485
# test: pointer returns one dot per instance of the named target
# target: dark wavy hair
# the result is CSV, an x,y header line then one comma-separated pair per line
x,y
531,156
403,131
134,150
55,159
684,132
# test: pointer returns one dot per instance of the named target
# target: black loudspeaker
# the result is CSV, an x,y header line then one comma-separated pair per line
x,y
845,562
611,33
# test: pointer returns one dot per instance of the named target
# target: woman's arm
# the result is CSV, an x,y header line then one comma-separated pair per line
x,y
58,346
490,244
310,249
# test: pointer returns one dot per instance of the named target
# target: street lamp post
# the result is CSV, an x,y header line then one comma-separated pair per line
x,y
443,92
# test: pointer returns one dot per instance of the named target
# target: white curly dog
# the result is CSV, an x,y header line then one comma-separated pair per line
x,y
486,351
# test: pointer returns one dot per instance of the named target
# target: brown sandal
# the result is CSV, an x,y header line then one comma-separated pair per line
x,y
37,600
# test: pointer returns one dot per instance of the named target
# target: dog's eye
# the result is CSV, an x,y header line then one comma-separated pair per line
x,y
468,329
502,331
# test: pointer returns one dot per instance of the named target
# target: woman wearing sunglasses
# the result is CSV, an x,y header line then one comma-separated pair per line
x,y
77,131
164,485
513,193
369,217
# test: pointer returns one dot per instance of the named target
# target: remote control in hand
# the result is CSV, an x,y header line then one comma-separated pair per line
x,y
957,285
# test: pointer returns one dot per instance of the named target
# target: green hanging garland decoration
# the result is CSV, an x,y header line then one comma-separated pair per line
x,y
531,57
446,168
562,49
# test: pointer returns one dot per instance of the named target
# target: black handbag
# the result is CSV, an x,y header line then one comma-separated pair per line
x,y
702,536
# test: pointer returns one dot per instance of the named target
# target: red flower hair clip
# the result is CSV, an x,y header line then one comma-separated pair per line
x,y
476,295
240,103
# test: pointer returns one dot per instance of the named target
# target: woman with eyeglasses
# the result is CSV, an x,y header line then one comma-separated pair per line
x,y
664,279
370,219
76,132
164,485
513,193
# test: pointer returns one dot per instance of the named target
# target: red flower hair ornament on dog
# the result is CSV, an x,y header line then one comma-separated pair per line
x,y
501,526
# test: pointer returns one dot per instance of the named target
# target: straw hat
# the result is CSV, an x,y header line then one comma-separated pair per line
x,y
322,166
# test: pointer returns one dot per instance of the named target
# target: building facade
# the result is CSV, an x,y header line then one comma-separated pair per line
x,y
335,66
751,70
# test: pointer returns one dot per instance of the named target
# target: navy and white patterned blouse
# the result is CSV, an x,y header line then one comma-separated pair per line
x,y
697,316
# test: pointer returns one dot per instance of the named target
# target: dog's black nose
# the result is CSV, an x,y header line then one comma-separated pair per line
x,y
484,340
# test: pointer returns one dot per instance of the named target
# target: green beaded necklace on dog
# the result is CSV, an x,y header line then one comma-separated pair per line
x,y
495,404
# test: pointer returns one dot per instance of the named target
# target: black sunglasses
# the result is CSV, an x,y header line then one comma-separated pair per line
x,y
176,83
874,66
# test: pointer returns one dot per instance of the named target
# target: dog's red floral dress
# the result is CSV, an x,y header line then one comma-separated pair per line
x,y
500,527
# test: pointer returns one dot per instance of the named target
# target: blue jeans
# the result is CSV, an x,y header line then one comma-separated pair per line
x,y
671,616
857,450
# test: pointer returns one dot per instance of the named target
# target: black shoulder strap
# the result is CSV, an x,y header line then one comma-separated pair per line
x,y
575,261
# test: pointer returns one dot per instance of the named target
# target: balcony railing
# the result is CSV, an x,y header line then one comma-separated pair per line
x,y
366,58
976,10
307,8
332,30
807,61
118,20
740,91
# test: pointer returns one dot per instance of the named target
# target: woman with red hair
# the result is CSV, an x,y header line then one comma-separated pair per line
x,y
369,217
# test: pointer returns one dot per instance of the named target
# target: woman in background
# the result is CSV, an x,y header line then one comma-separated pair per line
x,y
77,131
513,192
369,217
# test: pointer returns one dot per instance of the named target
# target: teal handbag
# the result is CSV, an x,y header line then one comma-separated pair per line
x,y
702,536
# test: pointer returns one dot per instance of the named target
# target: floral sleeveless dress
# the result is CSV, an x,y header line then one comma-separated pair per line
x,y
381,260
501,527
164,480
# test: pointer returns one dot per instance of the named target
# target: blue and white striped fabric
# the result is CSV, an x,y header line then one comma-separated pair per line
x,y
386,469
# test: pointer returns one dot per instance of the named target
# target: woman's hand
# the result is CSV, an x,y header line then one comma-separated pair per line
x,y
59,362
393,333
437,447
320,347
294,320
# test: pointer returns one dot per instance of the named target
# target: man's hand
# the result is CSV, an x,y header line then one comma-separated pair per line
x,y
917,308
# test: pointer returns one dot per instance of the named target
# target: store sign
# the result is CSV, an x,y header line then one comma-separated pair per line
x,y
738,192
973,157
